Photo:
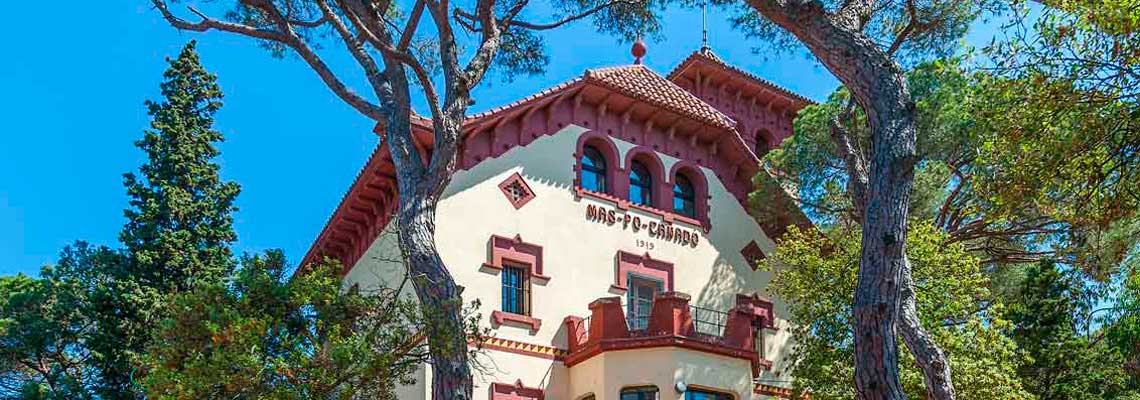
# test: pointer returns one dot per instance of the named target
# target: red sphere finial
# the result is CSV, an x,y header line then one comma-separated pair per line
x,y
638,50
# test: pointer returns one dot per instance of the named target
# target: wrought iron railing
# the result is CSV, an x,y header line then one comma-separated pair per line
x,y
584,330
636,323
708,321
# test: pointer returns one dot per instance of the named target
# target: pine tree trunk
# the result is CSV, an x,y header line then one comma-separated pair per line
x,y
884,290
935,367
440,297
420,187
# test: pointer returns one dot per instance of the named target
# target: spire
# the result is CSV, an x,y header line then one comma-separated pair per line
x,y
705,26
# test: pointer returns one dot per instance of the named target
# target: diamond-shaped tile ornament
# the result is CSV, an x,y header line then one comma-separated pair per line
x,y
516,190
753,254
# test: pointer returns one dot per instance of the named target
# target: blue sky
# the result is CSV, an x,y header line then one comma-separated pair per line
x,y
72,107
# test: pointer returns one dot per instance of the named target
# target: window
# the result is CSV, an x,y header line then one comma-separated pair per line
x,y
639,301
640,184
762,142
699,394
593,170
516,290
639,393
684,197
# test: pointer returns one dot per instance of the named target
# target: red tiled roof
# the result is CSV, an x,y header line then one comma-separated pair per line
x,y
709,56
543,93
634,81
640,82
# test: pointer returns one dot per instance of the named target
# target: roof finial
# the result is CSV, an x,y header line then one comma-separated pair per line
x,y
638,50
704,26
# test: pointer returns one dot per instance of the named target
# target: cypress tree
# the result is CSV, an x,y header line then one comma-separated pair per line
x,y
179,222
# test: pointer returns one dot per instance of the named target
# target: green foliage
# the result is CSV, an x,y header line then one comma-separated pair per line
x,y
1122,324
816,275
180,223
264,335
97,307
1062,104
522,49
1049,150
1094,45
178,229
42,327
1065,364
1017,170
808,160
936,30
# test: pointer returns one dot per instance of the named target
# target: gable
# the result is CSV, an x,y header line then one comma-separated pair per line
x,y
631,103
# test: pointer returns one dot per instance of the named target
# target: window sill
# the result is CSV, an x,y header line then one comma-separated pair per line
x,y
623,204
501,317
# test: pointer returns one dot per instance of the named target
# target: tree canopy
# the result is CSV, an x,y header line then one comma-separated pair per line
x,y
816,272
174,314
265,334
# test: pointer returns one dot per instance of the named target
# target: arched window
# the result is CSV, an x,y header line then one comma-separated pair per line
x,y
762,147
684,197
593,170
640,184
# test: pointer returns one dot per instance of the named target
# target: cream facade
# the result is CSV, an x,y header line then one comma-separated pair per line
x,y
583,251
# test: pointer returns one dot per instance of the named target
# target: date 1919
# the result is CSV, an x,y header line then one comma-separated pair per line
x,y
645,244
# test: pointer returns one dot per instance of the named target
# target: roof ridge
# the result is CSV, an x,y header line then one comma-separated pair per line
x,y
597,76
719,61
613,68
731,121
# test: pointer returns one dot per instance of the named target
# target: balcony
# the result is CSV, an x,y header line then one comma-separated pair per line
x,y
672,322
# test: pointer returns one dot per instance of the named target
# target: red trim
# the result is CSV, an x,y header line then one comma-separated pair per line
x,y
522,348
641,265
760,307
517,179
752,254
366,209
775,391
613,164
515,251
499,317
752,102
649,158
670,325
515,391
633,343
700,183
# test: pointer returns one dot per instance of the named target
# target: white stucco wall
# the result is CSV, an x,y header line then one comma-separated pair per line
x,y
579,256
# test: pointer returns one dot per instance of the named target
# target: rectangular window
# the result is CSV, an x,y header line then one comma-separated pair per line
x,y
698,394
639,393
639,301
516,290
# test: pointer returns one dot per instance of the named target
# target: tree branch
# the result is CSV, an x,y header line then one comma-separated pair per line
x,y
410,29
355,47
853,159
854,14
289,39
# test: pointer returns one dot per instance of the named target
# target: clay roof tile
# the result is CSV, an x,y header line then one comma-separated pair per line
x,y
642,83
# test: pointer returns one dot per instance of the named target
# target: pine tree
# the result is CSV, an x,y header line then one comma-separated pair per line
x,y
1065,364
179,224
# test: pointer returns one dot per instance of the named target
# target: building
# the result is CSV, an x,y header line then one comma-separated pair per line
x,y
602,223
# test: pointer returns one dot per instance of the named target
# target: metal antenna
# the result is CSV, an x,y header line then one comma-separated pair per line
x,y
704,26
